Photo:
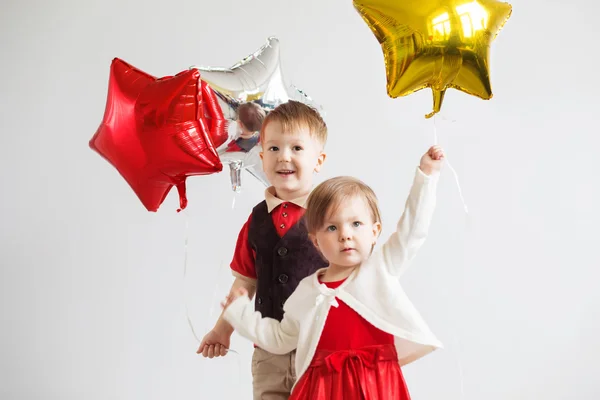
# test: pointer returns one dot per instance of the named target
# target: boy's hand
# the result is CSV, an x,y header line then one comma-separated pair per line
x,y
431,162
241,291
214,344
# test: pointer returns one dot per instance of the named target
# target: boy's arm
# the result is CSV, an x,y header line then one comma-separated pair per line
x,y
268,333
216,342
222,326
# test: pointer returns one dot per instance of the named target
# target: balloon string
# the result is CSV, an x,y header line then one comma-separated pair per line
x,y
454,335
185,264
212,303
460,368
460,193
185,267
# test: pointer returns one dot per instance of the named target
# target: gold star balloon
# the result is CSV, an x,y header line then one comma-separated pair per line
x,y
438,44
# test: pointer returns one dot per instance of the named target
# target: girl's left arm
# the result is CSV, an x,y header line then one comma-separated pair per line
x,y
268,333
411,232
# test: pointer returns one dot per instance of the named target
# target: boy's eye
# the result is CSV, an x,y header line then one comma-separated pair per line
x,y
331,228
297,148
273,148
356,224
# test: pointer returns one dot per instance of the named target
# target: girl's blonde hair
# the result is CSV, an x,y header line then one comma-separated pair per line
x,y
328,196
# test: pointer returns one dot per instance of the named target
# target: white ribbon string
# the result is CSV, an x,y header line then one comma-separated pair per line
x,y
185,267
454,334
435,142
185,263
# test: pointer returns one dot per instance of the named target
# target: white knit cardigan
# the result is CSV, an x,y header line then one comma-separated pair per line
x,y
373,290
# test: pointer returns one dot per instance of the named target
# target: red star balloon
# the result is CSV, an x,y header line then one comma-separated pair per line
x,y
154,132
214,116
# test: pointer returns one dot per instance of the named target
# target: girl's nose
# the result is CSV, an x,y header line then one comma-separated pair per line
x,y
345,235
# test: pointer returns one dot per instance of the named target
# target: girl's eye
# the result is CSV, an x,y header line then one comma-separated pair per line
x,y
273,148
356,224
297,148
331,228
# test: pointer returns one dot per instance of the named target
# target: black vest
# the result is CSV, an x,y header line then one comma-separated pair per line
x,y
281,263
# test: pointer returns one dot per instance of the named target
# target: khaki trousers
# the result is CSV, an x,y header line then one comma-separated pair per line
x,y
272,375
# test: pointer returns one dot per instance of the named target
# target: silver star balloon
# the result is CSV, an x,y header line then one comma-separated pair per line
x,y
256,78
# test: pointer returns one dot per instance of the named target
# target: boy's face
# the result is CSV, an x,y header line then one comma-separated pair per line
x,y
290,159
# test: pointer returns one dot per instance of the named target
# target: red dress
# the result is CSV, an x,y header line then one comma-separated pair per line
x,y
353,361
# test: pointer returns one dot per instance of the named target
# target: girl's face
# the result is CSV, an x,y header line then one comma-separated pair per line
x,y
348,234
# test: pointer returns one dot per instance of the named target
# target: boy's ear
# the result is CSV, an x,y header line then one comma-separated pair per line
x,y
261,155
313,239
320,161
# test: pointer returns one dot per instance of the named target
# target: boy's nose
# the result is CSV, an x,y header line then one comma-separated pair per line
x,y
284,156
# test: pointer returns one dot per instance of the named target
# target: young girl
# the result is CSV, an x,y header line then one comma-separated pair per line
x,y
351,323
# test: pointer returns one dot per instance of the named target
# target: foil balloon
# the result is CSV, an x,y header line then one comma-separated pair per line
x,y
154,132
438,44
249,161
256,79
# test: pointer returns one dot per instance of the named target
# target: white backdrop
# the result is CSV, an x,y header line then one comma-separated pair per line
x,y
92,286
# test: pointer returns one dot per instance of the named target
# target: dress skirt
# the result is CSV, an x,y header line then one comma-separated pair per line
x,y
369,373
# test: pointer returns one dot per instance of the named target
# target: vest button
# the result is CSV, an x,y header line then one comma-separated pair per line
x,y
259,300
284,205
283,278
282,251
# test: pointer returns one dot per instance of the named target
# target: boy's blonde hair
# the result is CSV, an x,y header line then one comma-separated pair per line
x,y
331,194
294,116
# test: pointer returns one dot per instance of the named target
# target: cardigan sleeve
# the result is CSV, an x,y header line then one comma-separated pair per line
x,y
268,333
411,231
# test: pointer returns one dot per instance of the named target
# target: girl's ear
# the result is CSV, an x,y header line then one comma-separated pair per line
x,y
376,230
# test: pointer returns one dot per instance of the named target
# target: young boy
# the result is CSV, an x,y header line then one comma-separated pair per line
x,y
273,252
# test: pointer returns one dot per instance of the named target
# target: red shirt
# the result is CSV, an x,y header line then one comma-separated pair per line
x,y
345,329
284,216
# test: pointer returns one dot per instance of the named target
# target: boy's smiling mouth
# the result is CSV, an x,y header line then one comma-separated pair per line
x,y
286,172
